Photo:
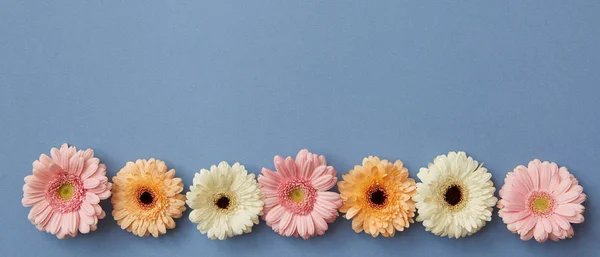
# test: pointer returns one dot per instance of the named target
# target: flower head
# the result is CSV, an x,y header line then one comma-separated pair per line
x,y
296,198
541,201
226,201
146,198
455,196
65,190
377,197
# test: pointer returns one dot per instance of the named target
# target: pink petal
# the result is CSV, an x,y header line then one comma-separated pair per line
x,y
291,227
284,222
567,197
562,187
534,174
90,167
45,159
29,201
523,173
274,215
545,175
539,233
318,172
303,157
90,183
92,198
87,208
84,226
269,179
514,217
302,227
565,210
309,224
320,224
555,180
547,225
527,224
76,164
281,167
561,221
323,183
55,169
575,219
55,222
291,167
306,169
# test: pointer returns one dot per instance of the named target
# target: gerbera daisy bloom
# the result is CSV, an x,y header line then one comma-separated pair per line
x,y
455,197
377,197
296,198
541,201
226,201
65,190
146,198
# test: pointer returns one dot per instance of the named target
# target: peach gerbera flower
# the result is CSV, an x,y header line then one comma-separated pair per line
x,y
377,197
541,201
65,190
296,198
146,198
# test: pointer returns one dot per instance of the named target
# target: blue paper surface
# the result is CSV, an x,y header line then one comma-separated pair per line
x,y
197,82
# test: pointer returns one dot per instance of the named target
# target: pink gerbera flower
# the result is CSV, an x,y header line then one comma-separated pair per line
x,y
65,190
296,198
541,201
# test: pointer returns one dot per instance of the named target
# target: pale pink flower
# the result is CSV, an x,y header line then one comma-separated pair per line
x,y
64,192
296,198
541,201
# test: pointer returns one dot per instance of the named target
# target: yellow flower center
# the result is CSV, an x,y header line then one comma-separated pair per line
x,y
541,203
296,194
66,191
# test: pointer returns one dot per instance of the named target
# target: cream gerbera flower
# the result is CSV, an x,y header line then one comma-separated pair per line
x,y
455,197
146,198
226,201
377,197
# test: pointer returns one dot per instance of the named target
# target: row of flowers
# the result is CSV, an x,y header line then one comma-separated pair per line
x,y
454,198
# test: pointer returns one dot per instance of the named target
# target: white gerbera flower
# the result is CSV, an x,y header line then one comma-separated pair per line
x,y
455,197
226,201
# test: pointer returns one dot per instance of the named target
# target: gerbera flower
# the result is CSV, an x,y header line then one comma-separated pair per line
x,y
226,201
377,197
65,190
541,201
455,196
296,198
146,198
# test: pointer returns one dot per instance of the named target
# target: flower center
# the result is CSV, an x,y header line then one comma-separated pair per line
x,y
377,197
146,198
453,195
66,191
222,202
296,194
541,203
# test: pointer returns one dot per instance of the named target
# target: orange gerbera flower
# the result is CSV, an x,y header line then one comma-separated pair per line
x,y
146,198
377,196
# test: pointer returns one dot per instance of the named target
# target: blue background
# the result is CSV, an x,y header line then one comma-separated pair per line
x,y
197,82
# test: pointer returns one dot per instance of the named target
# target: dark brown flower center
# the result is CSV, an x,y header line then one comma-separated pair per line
x,y
453,195
222,202
378,197
146,198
